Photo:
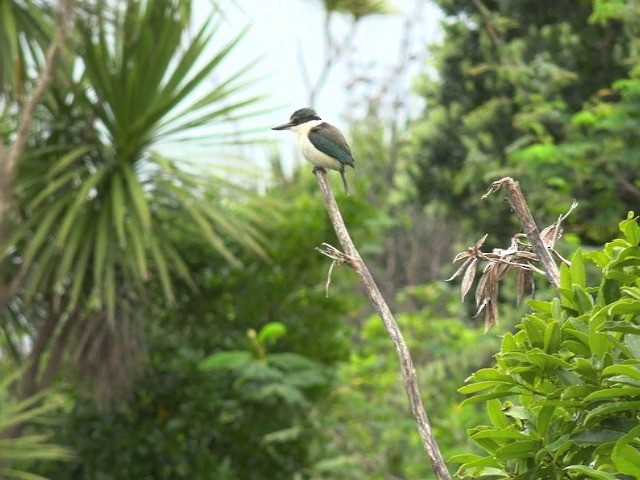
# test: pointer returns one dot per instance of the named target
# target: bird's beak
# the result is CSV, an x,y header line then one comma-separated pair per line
x,y
284,126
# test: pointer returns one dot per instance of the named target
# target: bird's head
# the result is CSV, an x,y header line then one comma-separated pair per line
x,y
299,117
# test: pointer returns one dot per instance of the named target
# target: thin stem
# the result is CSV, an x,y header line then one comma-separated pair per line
x,y
9,159
486,17
407,368
519,205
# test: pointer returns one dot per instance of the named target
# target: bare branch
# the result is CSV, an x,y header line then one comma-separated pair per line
x,y
519,205
338,259
407,368
9,160
334,51
521,255
486,18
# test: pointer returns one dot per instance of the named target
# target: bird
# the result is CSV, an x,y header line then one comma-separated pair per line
x,y
322,144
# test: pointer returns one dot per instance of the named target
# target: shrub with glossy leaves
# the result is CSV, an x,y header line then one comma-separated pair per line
x,y
564,395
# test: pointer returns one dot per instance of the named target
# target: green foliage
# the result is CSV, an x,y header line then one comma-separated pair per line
x,y
16,454
563,397
93,191
30,20
535,91
369,431
236,367
268,378
358,8
173,427
234,414
90,233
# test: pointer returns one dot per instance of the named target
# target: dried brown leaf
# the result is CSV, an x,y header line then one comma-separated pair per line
x,y
491,315
479,243
467,279
551,234
462,255
527,255
481,307
501,270
481,287
460,269
522,280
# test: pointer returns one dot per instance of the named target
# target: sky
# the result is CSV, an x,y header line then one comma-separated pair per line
x,y
281,32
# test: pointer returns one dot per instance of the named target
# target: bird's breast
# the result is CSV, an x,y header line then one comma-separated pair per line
x,y
315,156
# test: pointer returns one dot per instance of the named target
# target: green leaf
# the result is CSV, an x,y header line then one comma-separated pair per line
x,y
119,208
540,306
632,342
544,419
628,257
565,285
71,215
488,396
479,463
465,457
138,200
625,456
288,362
508,343
497,416
600,258
598,342
226,360
577,391
578,275
613,393
558,445
632,371
552,337
577,348
271,332
479,386
582,299
630,229
612,407
519,412
535,330
595,436
490,374
625,306
590,472
501,434
557,310
517,450
633,292
162,267
586,369
621,326
544,360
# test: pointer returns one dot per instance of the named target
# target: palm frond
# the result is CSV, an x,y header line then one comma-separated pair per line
x,y
19,59
31,446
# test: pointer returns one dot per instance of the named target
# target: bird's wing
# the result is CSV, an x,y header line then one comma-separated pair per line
x,y
328,139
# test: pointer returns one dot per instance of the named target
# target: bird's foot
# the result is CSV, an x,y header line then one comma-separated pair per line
x,y
318,169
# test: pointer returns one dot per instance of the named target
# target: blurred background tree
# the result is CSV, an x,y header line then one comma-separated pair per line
x,y
512,81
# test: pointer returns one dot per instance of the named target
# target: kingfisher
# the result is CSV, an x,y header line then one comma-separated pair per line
x,y
321,144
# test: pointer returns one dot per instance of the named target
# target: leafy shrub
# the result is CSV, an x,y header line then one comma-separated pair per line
x,y
564,395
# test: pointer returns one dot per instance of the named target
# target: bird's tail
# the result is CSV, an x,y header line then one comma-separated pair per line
x,y
344,182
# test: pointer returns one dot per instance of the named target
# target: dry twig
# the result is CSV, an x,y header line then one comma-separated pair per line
x,y
526,250
409,377
9,159
519,205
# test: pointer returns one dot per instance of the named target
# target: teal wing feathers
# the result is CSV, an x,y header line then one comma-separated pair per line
x,y
328,139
